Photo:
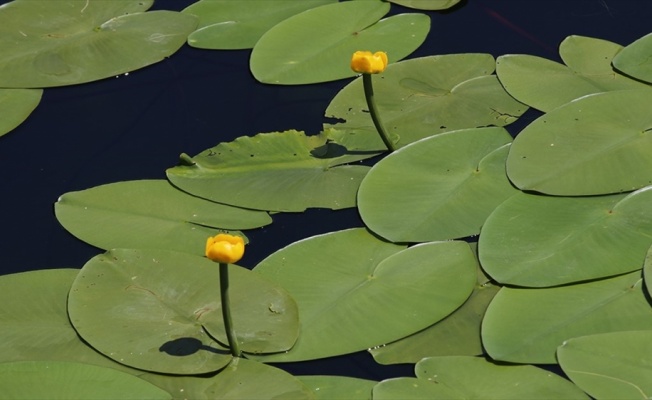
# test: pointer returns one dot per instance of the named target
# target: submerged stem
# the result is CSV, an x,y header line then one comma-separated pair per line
x,y
226,310
371,103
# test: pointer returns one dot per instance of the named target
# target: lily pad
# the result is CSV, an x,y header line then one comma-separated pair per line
x,y
598,144
613,365
338,387
355,291
425,96
65,42
634,60
68,380
527,326
539,241
16,105
647,271
280,171
227,24
316,45
159,311
149,214
426,4
545,84
439,188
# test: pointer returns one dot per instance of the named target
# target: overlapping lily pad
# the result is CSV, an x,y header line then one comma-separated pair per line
x,y
64,42
426,4
355,291
149,214
152,309
227,24
16,105
613,365
634,60
27,380
539,241
280,171
316,45
425,96
527,326
438,188
595,145
545,84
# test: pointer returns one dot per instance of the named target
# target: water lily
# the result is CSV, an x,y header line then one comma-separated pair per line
x,y
225,248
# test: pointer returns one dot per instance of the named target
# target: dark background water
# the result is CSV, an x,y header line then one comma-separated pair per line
x,y
134,127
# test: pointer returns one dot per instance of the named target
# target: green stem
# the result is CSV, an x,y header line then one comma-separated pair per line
x,y
226,310
371,103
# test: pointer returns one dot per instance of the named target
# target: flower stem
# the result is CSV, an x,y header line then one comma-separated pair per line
x,y
371,103
226,310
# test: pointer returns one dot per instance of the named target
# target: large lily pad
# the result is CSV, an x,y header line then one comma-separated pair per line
x,y
64,42
439,188
613,365
527,326
27,380
16,105
545,84
228,24
152,309
425,96
355,291
338,387
316,45
281,171
595,145
149,214
538,241
634,59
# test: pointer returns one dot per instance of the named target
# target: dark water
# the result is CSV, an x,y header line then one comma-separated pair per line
x,y
135,126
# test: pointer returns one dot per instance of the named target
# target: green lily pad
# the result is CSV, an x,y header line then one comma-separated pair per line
x,y
227,24
613,365
55,43
539,241
598,144
355,291
149,214
280,171
338,387
152,310
425,96
69,380
16,105
426,4
439,188
317,45
241,379
634,60
545,84
411,389
647,271
527,326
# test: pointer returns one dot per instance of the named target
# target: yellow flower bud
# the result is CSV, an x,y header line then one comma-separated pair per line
x,y
367,63
225,248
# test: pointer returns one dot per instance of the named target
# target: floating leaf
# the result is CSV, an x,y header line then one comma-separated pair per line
x,y
634,60
281,171
426,4
316,45
149,214
355,291
338,387
613,365
69,380
16,105
150,309
425,96
538,241
647,271
527,326
545,84
227,24
411,389
595,145
54,43
438,188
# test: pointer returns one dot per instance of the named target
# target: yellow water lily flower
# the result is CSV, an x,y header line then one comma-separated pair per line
x,y
225,248
367,63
